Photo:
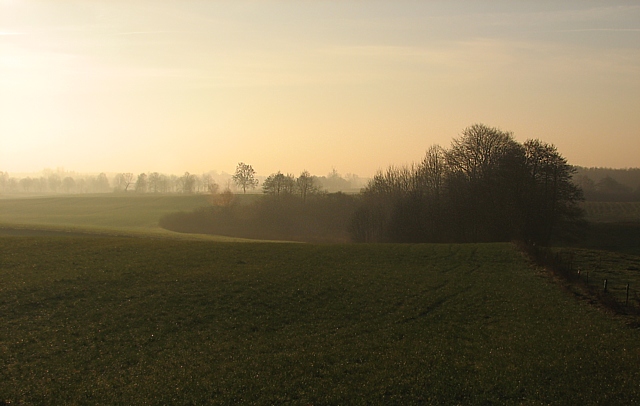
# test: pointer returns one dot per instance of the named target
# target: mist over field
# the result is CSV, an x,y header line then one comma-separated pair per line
x,y
319,203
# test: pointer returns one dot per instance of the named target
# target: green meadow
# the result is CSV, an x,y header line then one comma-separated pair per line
x,y
142,321
111,214
178,319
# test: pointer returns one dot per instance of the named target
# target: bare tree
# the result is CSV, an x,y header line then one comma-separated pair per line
x,y
153,181
306,185
278,183
245,177
187,183
123,181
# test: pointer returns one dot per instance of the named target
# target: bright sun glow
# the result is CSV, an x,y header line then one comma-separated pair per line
x,y
194,86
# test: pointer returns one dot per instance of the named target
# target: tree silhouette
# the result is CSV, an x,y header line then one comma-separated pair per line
x,y
245,177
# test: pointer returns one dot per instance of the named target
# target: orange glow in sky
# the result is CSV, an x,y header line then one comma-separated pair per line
x,y
175,86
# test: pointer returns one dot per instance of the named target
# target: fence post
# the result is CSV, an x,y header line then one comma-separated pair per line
x,y
605,285
627,302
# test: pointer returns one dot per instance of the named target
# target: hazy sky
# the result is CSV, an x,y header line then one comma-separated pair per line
x,y
175,86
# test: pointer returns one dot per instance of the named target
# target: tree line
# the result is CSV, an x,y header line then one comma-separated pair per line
x,y
485,187
155,182
290,208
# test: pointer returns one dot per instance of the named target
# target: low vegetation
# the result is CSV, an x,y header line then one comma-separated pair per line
x,y
323,217
133,321
612,212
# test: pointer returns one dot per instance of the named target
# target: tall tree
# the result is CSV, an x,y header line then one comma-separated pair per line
x,y
187,183
68,184
305,185
102,183
551,198
154,182
54,182
141,183
480,162
245,177
4,177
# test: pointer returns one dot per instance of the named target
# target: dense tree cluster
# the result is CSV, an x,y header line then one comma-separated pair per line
x,y
485,187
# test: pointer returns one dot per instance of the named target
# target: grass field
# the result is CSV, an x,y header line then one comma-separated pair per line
x,y
141,321
619,269
120,214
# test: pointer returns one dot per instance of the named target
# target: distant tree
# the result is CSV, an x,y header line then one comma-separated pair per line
x,y
68,184
26,184
54,182
102,183
245,177
40,184
12,184
123,181
278,183
153,182
172,182
187,183
205,181
81,185
306,185
141,183
4,177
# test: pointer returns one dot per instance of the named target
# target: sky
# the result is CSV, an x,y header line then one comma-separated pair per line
x,y
174,86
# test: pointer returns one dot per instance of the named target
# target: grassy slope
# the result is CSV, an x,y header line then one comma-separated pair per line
x,y
120,214
131,321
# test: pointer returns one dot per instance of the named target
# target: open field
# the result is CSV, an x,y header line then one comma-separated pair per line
x,y
141,321
111,214
100,211
592,267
